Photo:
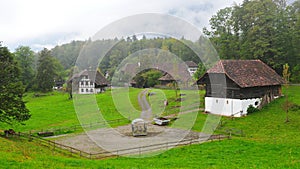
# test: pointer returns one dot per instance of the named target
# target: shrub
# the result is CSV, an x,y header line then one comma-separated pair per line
x,y
295,107
252,109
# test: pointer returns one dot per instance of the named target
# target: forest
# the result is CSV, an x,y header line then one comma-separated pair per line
x,y
268,30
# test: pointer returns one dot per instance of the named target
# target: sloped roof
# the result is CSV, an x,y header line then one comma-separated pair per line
x,y
94,76
247,73
191,64
166,77
179,70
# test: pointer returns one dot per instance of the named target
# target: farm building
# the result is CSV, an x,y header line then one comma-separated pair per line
x,y
233,85
166,79
179,72
192,67
88,82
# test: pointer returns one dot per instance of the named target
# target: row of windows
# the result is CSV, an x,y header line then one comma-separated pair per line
x,y
87,90
86,83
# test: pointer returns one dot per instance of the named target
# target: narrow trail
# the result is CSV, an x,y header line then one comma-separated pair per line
x,y
146,108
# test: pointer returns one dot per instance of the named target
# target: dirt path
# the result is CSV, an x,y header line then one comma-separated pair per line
x,y
146,108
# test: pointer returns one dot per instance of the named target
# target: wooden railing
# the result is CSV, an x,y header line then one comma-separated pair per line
x,y
78,127
137,151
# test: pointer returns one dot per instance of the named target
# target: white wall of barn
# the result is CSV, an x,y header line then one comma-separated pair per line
x,y
229,107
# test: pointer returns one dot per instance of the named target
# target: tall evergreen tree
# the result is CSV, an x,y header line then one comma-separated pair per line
x,y
12,107
46,71
25,57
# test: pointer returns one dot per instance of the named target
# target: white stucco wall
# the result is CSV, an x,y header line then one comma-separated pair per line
x,y
86,87
229,107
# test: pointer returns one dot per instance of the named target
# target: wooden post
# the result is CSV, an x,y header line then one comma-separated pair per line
x,y
140,151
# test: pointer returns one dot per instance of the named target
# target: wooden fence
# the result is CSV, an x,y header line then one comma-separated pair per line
x,y
78,127
137,151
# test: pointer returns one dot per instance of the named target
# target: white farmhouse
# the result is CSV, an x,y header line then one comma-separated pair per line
x,y
88,82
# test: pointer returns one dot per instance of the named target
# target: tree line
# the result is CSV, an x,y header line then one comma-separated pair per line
x,y
268,30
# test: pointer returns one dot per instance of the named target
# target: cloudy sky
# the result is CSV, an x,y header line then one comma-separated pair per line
x,y
47,23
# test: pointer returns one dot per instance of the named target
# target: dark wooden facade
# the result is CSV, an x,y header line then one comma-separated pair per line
x,y
220,86
242,79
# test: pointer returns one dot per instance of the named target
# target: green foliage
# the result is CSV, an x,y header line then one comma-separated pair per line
x,y
47,71
294,107
295,75
267,30
200,71
251,109
12,107
268,143
148,78
25,57
67,53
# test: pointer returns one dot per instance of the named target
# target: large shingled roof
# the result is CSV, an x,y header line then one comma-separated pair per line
x,y
95,77
247,73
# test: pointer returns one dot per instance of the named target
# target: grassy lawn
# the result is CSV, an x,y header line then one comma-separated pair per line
x,y
268,125
55,110
224,154
189,101
269,142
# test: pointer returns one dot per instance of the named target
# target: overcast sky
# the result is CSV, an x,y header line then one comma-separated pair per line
x,y
47,23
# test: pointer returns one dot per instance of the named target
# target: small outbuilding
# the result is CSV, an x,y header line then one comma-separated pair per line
x,y
166,79
233,85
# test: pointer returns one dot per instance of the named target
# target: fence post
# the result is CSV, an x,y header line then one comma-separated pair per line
x,y
140,151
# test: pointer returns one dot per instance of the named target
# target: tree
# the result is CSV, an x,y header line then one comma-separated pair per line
x,y
286,76
25,57
12,107
200,71
47,71
256,30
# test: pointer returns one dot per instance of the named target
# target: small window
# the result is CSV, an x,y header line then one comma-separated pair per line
x,y
227,102
82,83
91,83
256,103
82,90
87,90
92,90
86,83
217,101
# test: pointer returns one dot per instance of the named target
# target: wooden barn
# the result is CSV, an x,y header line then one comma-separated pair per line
x,y
166,79
233,85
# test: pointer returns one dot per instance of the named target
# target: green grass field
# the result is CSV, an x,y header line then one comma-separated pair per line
x,y
269,142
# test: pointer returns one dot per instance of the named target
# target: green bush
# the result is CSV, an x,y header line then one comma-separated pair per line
x,y
252,109
295,107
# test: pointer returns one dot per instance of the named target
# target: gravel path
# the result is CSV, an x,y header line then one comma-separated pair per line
x,y
146,113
